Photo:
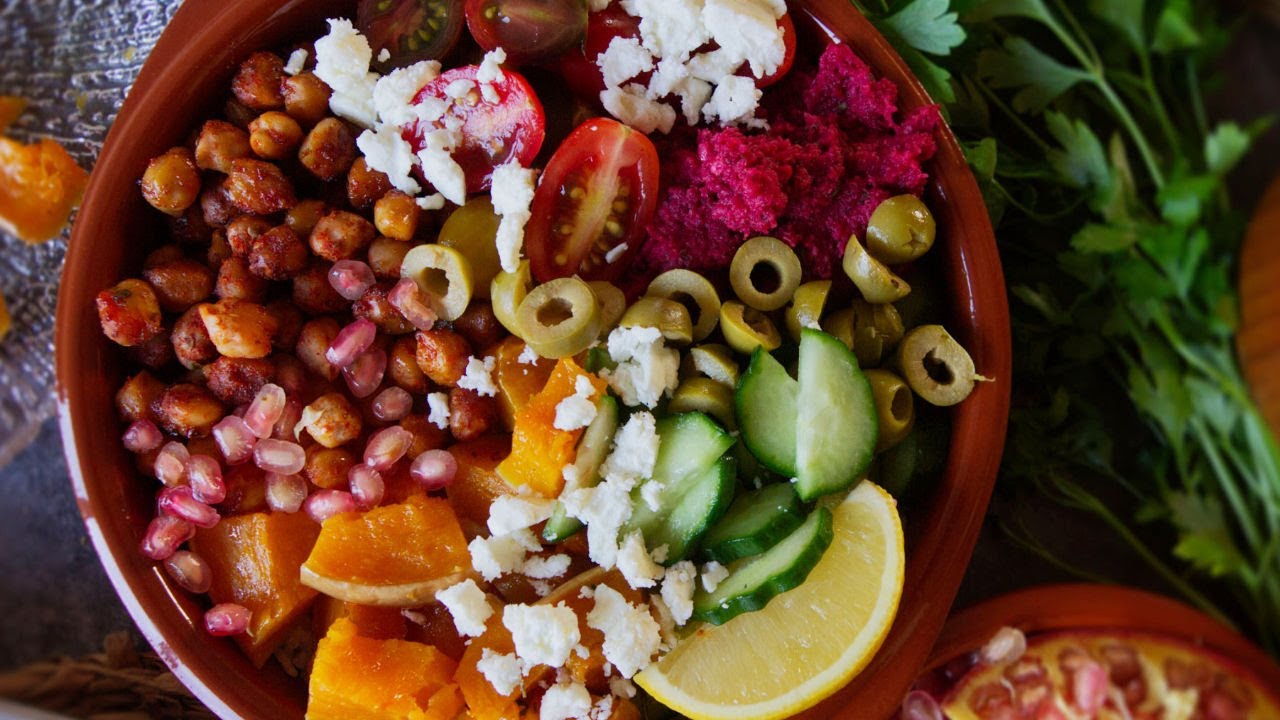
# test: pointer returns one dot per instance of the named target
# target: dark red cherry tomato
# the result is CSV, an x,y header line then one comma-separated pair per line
x,y
597,195
410,30
578,66
528,30
513,125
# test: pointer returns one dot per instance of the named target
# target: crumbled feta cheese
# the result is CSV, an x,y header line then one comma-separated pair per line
x,y
615,252
545,568
394,93
713,66
386,151
651,493
603,508
501,554
490,94
624,59
509,513
342,62
467,604
635,448
438,166
670,28
603,709
434,201
747,30
733,101
438,407
578,410
541,588
631,635
384,55
528,356
659,554
297,62
586,592
569,701
621,687
646,369
479,376
459,88
632,105
677,590
490,70
713,573
502,670
512,190
572,478
635,564
705,364
543,634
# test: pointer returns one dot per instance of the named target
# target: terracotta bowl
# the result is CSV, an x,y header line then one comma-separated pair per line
x,y
186,73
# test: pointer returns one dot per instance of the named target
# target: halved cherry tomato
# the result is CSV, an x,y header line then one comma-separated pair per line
x,y
788,54
528,30
578,66
511,127
410,30
597,194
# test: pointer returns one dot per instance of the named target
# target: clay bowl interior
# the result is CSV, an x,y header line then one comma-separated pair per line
x,y
183,82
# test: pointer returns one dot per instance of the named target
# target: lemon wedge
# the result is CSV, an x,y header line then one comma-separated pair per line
x,y
806,643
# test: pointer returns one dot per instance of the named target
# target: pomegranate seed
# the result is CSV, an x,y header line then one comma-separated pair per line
x,y
227,619
920,705
142,436
165,534
190,571
392,404
180,502
1006,646
434,469
235,439
364,374
351,342
1089,686
265,410
387,446
285,493
285,426
351,278
409,299
204,474
279,456
171,463
324,504
367,486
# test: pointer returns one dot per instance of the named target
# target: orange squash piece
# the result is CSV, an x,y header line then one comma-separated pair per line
x,y
477,484
360,678
40,183
483,701
254,560
539,451
10,108
391,556
517,382
381,623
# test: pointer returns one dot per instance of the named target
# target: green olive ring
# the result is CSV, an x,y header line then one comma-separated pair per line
x,y
471,230
705,395
507,291
936,367
612,303
807,305
876,282
715,361
900,230
877,330
444,276
764,250
745,329
668,316
839,324
895,408
559,318
679,283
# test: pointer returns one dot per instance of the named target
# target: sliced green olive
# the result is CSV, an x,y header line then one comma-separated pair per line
x,y
895,407
936,367
745,329
693,291
443,274
716,362
507,291
877,329
876,282
900,230
764,273
840,324
471,230
806,306
612,303
559,318
705,395
668,316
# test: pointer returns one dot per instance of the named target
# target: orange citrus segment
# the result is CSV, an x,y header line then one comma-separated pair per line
x,y
39,186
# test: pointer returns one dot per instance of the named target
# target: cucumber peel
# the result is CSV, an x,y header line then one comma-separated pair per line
x,y
754,523
766,405
836,424
593,448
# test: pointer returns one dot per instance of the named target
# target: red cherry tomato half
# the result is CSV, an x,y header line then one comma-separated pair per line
x,y
511,126
578,66
410,30
597,194
528,30
788,55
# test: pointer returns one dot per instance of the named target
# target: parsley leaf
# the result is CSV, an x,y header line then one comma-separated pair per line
x,y
1038,78
927,26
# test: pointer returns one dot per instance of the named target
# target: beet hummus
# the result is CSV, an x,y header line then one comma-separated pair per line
x,y
834,150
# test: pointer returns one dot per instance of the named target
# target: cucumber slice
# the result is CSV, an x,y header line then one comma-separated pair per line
x,y
836,425
593,448
598,359
755,522
753,584
687,444
766,405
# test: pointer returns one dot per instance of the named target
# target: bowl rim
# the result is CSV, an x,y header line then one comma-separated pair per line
x,y
959,503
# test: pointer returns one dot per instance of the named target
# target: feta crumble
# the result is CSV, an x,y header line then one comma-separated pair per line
x,y
577,410
545,568
734,100
466,602
543,634
512,192
438,166
384,55
502,670
651,494
632,105
603,509
622,687
635,449
386,151
615,253
677,590
434,201
646,369
528,356
713,573
438,410
509,513
747,29
342,62
631,635
297,62
624,59
490,70
479,376
394,93
637,567
495,556
570,701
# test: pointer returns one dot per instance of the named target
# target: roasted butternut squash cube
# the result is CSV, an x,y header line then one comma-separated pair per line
x,y
518,382
477,483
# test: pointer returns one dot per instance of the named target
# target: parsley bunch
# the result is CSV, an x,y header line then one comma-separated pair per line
x,y
1086,127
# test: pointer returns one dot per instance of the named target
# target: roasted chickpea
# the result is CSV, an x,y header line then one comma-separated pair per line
x,y
180,283
274,135
137,396
479,325
306,98
374,307
191,341
316,337
154,353
313,293
189,228
472,414
442,354
402,367
237,113
365,185
328,150
242,231
426,435
238,328
216,206
219,144
341,235
289,320
162,255
304,216
293,376
129,313
332,420
218,251
396,215
171,182
259,188
188,410
235,282
386,256
278,254
328,467
235,381
257,82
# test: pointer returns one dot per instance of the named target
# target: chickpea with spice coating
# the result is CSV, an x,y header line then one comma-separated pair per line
x,y
365,185
326,467
219,144
188,410
316,337
314,294
129,313
180,283
259,187
442,354
374,307
278,254
402,366
302,218
238,328
243,230
191,343
331,420
171,182
396,215
136,398
340,235
274,135
215,204
257,82
386,256
236,381
236,282
306,98
289,320
328,150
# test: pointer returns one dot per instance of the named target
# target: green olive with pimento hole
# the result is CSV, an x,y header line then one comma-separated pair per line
x,y
773,254
807,306
895,407
507,291
559,318
746,329
612,303
877,283
680,284
444,275
936,367
668,316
